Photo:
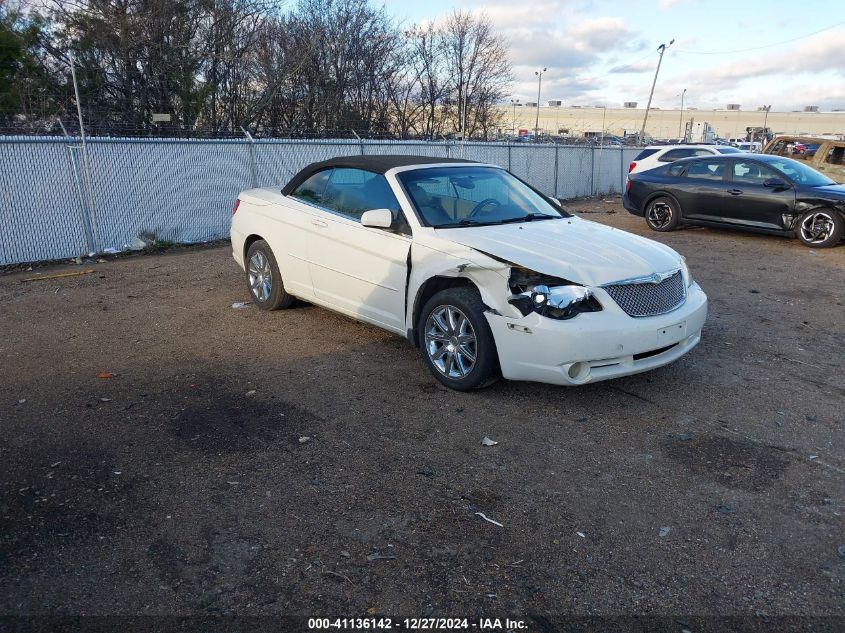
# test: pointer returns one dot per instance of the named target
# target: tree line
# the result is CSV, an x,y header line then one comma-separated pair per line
x,y
219,67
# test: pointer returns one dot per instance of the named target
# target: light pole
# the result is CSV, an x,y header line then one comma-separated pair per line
x,y
681,122
661,49
514,103
766,109
539,74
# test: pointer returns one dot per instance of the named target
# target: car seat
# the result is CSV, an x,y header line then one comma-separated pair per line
x,y
429,206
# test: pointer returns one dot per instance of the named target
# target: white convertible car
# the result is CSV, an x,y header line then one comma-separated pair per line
x,y
485,274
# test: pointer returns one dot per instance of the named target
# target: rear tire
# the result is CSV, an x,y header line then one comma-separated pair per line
x,y
662,214
820,228
456,341
264,279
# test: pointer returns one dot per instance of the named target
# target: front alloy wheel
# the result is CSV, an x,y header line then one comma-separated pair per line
x,y
450,341
456,340
820,228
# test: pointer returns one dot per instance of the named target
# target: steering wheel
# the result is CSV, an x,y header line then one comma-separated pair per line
x,y
487,201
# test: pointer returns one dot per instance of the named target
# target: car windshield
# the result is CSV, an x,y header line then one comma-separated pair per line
x,y
472,196
727,149
801,173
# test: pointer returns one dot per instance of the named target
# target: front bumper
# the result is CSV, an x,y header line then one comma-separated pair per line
x,y
596,345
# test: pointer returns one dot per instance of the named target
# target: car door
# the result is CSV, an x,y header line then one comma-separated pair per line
x,y
705,188
751,202
359,270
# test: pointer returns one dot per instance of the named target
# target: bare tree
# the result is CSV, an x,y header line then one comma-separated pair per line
x,y
321,66
479,71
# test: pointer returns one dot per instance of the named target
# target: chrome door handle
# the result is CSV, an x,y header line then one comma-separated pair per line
x,y
735,192
319,223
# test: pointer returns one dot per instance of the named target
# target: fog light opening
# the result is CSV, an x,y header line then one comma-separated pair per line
x,y
579,371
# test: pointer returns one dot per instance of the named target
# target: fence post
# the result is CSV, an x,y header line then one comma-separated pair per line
x,y
252,172
509,155
87,226
557,148
592,170
598,172
83,202
622,169
360,142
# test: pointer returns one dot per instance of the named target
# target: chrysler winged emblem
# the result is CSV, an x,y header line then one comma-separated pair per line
x,y
657,278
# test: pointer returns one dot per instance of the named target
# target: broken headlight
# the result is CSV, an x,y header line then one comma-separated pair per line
x,y
549,296
559,302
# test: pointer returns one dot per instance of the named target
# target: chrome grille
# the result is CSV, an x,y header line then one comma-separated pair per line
x,y
643,297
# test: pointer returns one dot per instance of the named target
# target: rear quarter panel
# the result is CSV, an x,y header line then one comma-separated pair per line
x,y
283,224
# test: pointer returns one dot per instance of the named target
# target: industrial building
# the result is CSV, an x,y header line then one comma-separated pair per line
x,y
728,122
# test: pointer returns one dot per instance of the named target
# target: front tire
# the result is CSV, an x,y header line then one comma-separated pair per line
x,y
456,341
820,228
264,279
662,214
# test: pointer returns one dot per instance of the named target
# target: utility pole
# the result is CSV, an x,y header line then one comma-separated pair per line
x,y
514,103
539,74
681,122
661,49
766,108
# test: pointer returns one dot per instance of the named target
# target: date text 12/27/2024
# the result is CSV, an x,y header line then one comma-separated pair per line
x,y
416,624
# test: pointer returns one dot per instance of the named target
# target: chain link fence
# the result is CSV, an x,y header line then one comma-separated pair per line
x,y
59,199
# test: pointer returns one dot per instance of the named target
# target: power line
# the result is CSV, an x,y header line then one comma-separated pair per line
x,y
619,69
757,48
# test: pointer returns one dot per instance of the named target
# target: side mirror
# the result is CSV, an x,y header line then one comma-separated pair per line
x,y
377,219
776,183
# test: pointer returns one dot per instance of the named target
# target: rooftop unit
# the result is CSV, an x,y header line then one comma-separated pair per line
x,y
811,108
630,104
733,106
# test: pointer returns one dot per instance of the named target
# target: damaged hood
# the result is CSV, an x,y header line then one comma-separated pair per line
x,y
578,250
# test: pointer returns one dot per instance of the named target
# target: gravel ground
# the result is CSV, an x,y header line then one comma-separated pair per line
x,y
244,463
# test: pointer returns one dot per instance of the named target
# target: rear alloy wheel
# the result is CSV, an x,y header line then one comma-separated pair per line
x,y
264,279
662,214
456,340
820,228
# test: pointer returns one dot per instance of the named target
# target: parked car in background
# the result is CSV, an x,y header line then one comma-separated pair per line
x,y
483,273
759,192
656,155
825,155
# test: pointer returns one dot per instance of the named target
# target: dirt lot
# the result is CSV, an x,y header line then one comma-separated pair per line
x,y
248,463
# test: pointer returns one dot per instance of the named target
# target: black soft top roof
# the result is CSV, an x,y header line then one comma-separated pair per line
x,y
376,163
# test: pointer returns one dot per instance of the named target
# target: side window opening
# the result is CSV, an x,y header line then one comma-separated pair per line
x,y
314,188
351,192
645,154
706,170
835,156
751,173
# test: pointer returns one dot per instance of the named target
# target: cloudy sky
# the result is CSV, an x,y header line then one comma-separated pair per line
x,y
603,52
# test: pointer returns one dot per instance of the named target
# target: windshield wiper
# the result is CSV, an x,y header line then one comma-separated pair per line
x,y
530,217
461,222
